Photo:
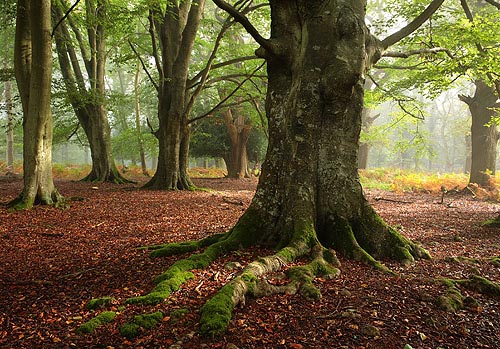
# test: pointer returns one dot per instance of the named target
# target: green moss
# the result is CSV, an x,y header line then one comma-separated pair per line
x,y
495,261
92,324
217,312
183,247
146,321
247,231
492,223
163,289
482,285
98,302
129,330
177,314
461,259
452,300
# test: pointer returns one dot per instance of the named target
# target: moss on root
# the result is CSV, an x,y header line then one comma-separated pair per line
x,y
163,289
217,312
482,285
172,249
92,324
145,321
452,300
179,272
98,302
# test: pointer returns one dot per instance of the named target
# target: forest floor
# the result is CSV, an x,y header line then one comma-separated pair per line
x,y
52,261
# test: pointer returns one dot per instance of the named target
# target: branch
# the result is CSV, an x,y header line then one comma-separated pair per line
x,y
413,25
466,99
243,20
143,66
193,81
494,3
154,45
64,17
407,54
218,105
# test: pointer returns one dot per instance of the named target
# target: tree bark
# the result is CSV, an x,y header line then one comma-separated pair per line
x,y
137,104
237,158
484,137
33,70
10,127
176,29
86,92
309,200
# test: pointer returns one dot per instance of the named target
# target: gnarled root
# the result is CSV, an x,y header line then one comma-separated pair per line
x,y
217,312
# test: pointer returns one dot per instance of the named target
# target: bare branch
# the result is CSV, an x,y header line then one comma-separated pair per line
x,y
64,17
243,20
143,66
407,54
193,81
413,25
154,45
218,105
494,3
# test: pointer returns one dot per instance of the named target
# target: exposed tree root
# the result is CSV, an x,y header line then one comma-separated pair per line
x,y
23,202
453,299
354,240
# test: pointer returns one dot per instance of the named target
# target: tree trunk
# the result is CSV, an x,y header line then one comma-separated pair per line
x,y
176,29
238,131
86,93
10,127
484,138
468,153
138,122
309,200
33,70
309,196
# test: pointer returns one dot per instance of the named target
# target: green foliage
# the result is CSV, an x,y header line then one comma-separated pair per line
x,y
92,324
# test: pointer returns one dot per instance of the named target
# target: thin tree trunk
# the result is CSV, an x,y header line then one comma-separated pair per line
x,y
10,127
140,141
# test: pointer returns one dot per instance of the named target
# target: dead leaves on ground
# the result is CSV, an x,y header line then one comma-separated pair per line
x,y
54,261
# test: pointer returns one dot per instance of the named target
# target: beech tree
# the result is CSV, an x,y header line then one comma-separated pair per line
x,y
173,31
33,71
309,201
460,47
86,87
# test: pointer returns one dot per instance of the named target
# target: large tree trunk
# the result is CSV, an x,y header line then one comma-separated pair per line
x,y
484,135
33,69
309,200
86,92
176,29
309,180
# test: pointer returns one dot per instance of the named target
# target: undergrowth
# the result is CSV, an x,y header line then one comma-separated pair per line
x,y
399,180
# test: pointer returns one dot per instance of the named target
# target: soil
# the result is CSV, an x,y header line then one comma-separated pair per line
x,y
53,261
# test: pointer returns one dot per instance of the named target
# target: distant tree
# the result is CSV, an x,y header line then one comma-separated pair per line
x,y
85,87
33,70
7,16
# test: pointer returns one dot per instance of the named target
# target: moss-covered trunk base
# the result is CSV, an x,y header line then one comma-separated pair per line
x,y
112,175
25,201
